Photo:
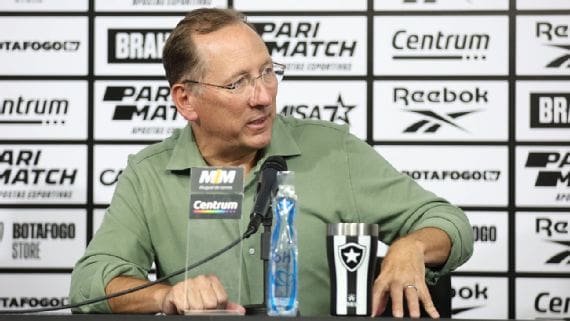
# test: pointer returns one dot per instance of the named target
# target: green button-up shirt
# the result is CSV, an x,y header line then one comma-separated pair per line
x,y
338,178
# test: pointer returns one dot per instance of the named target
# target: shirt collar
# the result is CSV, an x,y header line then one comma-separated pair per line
x,y
186,154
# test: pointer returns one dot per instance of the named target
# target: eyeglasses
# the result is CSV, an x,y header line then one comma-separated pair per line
x,y
270,76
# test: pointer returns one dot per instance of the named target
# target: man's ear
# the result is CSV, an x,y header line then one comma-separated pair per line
x,y
183,99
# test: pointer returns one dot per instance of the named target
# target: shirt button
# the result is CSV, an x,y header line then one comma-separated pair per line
x,y
251,251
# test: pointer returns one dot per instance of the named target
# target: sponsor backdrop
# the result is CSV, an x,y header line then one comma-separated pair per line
x,y
471,98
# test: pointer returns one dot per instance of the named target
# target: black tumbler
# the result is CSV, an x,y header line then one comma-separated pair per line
x,y
351,252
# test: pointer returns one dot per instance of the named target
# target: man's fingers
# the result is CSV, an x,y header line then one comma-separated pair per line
x,y
193,299
232,306
412,298
379,299
220,292
430,307
397,293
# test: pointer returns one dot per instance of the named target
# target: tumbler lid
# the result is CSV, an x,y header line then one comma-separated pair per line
x,y
352,229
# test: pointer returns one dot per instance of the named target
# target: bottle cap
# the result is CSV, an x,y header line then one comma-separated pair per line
x,y
286,178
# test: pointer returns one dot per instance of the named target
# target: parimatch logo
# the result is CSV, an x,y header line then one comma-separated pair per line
x,y
315,45
334,112
556,33
147,103
554,168
302,39
137,46
550,110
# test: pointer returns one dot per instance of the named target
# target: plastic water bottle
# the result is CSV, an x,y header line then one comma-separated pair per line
x,y
282,291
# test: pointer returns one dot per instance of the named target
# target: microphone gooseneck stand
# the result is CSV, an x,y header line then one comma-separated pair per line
x,y
265,246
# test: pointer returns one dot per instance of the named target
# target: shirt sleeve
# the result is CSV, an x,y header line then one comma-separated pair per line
x,y
121,246
400,206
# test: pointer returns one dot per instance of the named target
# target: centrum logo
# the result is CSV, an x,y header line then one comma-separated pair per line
x,y
555,32
337,112
45,46
110,176
214,207
440,46
433,121
550,110
545,302
136,45
33,111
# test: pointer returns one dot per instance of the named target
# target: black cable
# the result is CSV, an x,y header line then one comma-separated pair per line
x,y
131,290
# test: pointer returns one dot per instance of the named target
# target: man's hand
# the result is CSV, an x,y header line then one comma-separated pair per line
x,y
204,292
402,275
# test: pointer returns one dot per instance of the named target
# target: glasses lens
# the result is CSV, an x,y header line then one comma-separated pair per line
x,y
279,71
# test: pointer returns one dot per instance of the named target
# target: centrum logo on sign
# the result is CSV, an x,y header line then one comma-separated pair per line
x,y
214,207
33,111
440,46
139,46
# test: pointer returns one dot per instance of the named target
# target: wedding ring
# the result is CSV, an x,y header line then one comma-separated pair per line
x,y
411,286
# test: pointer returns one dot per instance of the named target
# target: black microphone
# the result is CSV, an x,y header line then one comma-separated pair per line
x,y
265,189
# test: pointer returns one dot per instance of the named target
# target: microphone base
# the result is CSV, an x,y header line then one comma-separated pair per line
x,y
256,309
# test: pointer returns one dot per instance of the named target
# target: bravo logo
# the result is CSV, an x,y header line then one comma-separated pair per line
x,y
136,45
218,176
550,110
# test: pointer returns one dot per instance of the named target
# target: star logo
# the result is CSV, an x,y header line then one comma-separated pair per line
x,y
340,110
351,255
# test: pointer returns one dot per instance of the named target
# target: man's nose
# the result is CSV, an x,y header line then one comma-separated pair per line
x,y
261,94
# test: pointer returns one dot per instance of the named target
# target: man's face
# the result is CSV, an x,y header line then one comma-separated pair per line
x,y
230,120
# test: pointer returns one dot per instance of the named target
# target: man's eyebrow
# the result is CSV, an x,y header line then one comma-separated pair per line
x,y
245,72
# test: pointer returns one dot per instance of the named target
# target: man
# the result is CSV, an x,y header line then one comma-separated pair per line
x,y
224,82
